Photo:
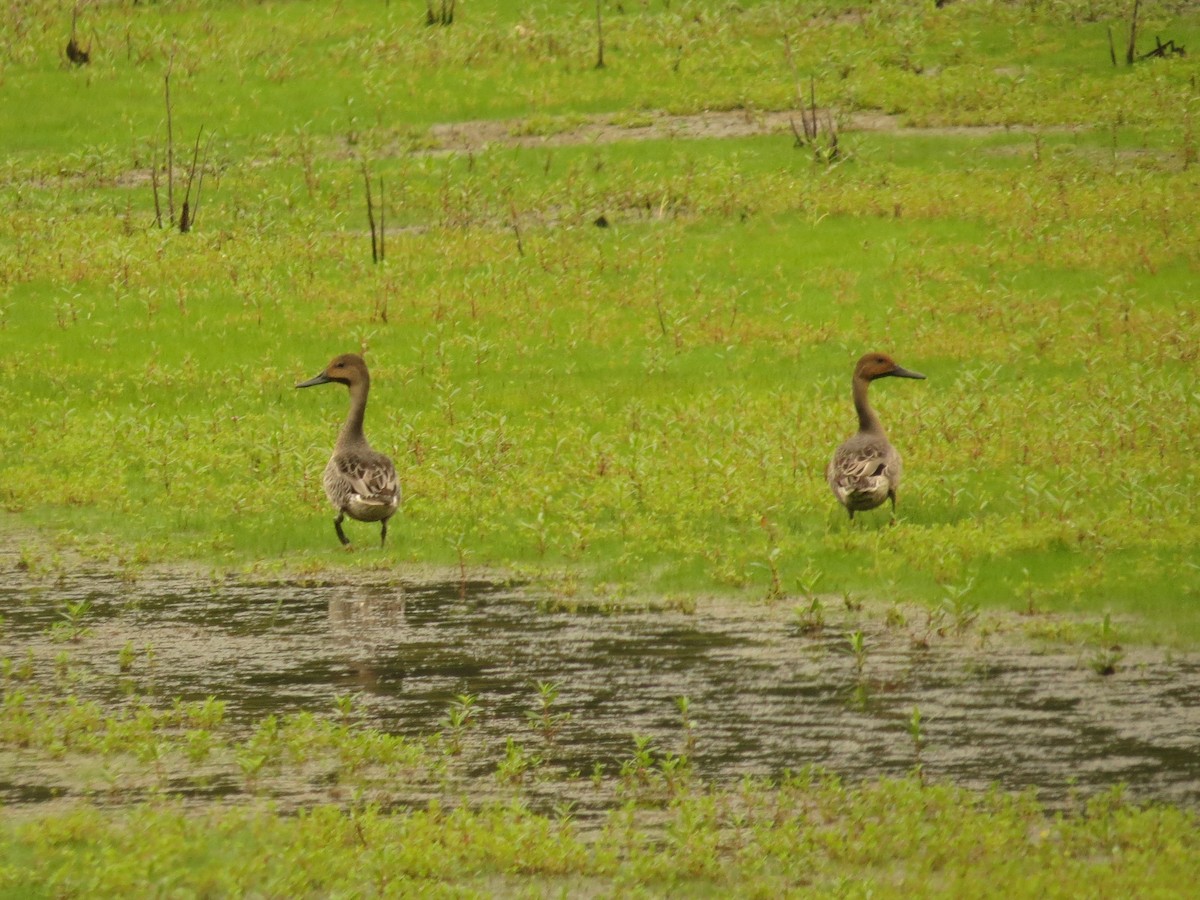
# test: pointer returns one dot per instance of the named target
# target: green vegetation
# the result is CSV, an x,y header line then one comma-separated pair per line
x,y
186,803
639,409
805,836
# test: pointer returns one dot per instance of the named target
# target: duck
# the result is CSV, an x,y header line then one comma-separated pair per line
x,y
866,469
359,481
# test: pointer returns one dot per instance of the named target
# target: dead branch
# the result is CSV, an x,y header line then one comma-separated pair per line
x,y
599,36
170,142
187,216
1131,51
370,213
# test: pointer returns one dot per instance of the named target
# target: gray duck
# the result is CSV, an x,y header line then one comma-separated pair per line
x,y
360,482
866,469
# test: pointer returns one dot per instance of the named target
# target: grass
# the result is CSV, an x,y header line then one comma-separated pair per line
x,y
628,404
180,799
635,410
802,837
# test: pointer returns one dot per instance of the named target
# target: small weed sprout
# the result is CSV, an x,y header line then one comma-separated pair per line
x,y
917,733
858,648
345,704
544,720
812,617
963,611
461,551
125,657
518,763
774,551
684,705
636,771
461,716
1109,653
1029,592
70,626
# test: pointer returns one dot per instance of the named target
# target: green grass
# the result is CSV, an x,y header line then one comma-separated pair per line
x,y
648,406
802,838
385,815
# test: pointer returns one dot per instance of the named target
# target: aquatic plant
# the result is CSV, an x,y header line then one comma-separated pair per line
x,y
461,716
544,720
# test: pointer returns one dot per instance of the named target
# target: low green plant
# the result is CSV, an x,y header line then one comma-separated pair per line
x,y
962,610
544,720
916,733
460,718
1108,653
518,764
70,627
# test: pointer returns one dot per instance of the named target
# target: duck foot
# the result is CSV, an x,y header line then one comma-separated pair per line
x,y
337,526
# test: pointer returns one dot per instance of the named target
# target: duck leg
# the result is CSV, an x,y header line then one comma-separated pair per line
x,y
383,533
337,526
892,497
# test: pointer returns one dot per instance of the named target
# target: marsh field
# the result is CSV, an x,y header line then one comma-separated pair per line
x,y
621,640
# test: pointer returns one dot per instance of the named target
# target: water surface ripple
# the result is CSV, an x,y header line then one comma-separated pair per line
x,y
765,696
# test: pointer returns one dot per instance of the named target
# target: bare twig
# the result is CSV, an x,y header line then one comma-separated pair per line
x,y
154,183
170,142
1163,50
599,36
1129,54
382,218
187,216
516,226
370,213
444,17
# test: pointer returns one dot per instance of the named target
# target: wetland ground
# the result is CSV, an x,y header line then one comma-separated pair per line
x,y
766,694
695,677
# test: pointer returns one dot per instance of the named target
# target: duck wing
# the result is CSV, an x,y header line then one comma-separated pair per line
x,y
861,473
371,478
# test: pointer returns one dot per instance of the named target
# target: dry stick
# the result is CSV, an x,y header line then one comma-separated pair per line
x,y
186,219
791,61
599,37
370,213
170,142
516,227
382,215
1129,54
154,183
812,99
200,180
800,139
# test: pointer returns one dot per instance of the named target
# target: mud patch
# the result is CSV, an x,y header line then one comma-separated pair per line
x,y
473,136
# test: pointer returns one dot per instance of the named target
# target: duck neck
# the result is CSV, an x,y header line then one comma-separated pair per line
x,y
867,420
352,428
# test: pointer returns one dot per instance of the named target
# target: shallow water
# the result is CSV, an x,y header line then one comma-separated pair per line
x,y
765,696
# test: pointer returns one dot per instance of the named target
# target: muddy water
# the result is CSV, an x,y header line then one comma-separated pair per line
x,y
764,695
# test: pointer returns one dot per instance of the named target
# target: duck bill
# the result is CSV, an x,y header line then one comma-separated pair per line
x,y
315,380
899,372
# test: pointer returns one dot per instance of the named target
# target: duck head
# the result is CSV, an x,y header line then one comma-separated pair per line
x,y
348,369
880,365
